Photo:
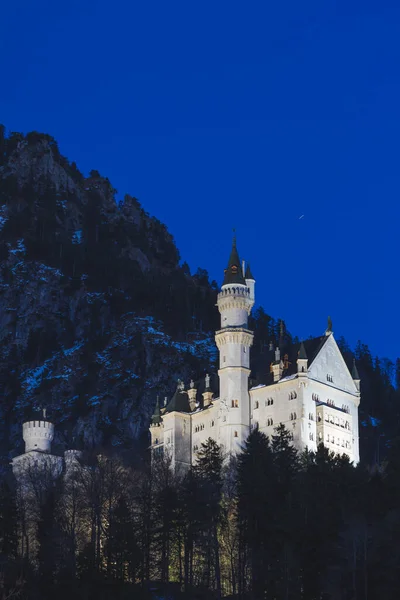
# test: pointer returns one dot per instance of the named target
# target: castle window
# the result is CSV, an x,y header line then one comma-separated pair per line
x,y
236,434
224,358
333,439
311,436
320,436
244,349
292,395
212,423
256,404
329,378
291,416
156,441
319,417
294,416
327,438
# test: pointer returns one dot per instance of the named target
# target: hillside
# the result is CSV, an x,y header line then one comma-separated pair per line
x,y
98,315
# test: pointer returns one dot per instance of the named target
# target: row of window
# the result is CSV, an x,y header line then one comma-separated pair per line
x,y
330,402
201,426
334,421
339,442
292,395
268,402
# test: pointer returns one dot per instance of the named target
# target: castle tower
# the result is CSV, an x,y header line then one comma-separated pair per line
x,y
38,435
234,340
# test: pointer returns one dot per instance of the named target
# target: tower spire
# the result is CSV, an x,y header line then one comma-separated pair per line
x,y
233,272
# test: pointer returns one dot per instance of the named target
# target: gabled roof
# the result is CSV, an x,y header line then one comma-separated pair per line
x,y
233,272
312,348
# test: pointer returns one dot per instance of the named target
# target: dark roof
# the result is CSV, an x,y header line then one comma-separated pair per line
x,y
179,401
233,272
156,417
354,371
261,374
249,274
302,352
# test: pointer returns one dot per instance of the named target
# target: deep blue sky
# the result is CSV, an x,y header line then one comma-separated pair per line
x,y
235,114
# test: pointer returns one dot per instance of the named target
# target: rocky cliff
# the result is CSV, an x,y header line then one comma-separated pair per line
x,y
97,316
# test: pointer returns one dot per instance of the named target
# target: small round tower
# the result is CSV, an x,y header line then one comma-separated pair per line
x,y
38,434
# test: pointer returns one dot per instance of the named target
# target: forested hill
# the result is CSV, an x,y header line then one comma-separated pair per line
x,y
99,315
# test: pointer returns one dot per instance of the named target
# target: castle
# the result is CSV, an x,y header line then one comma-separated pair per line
x,y
315,395
312,393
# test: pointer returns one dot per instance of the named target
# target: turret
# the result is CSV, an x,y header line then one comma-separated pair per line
x,y
38,434
235,301
302,360
192,393
207,394
277,366
250,281
234,341
156,419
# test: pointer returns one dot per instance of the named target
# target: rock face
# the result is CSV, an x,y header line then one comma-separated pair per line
x,y
97,317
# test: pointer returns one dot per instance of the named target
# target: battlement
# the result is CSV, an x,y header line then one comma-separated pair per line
x,y
38,435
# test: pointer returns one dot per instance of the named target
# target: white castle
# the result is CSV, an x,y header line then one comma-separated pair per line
x,y
315,396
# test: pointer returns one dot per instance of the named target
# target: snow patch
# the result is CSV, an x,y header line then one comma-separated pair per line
x,y
77,237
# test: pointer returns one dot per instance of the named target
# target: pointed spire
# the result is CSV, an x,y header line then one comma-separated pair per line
x,y
156,418
354,371
249,274
302,354
233,272
329,327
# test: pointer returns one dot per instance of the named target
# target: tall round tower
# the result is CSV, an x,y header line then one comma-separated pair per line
x,y
38,434
234,340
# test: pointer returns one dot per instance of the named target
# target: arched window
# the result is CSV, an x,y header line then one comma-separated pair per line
x,y
291,416
294,416
319,417
320,436
256,405
311,436
235,434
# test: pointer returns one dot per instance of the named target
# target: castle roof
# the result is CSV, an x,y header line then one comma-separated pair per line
x,y
179,401
233,272
249,274
311,348
156,417
354,371
302,354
